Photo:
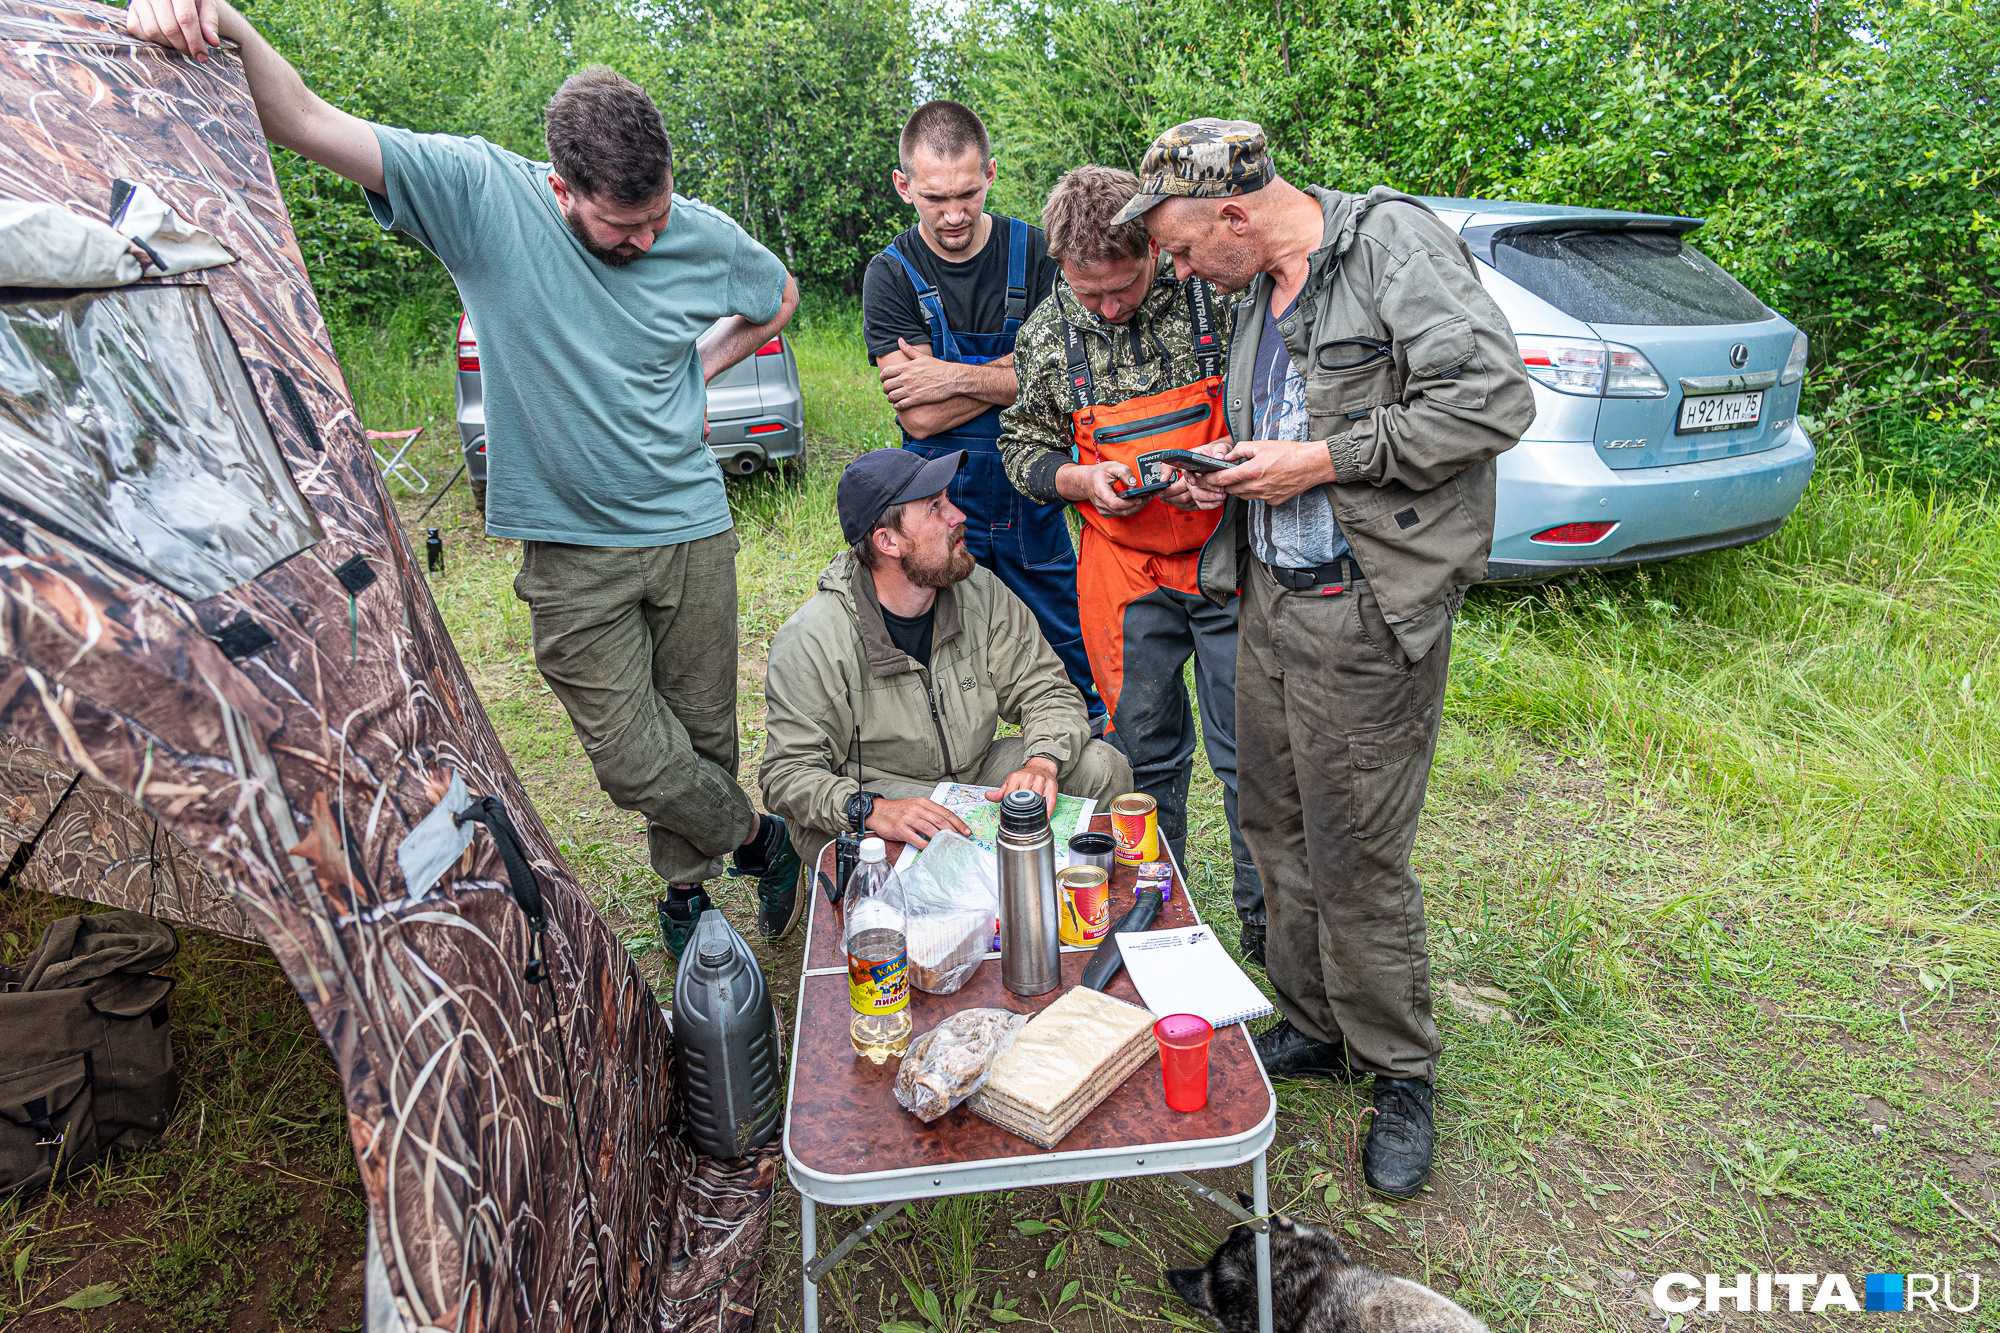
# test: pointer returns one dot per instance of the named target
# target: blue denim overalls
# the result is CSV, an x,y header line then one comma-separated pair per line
x,y
1025,543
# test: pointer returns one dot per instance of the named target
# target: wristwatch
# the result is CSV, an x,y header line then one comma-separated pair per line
x,y
859,807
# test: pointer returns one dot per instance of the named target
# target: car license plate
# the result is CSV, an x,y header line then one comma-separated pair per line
x,y
1719,411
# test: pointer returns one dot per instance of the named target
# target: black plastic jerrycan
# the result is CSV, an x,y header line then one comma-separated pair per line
x,y
725,1043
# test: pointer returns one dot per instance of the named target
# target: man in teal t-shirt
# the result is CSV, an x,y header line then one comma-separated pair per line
x,y
604,303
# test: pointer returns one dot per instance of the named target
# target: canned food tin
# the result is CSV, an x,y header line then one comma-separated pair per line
x,y
1083,893
1159,877
1135,822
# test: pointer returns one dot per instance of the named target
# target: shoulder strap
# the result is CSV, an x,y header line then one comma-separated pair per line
x,y
1082,393
1017,275
942,345
1201,320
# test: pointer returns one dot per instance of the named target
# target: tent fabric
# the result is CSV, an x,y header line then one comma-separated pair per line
x,y
47,245
249,760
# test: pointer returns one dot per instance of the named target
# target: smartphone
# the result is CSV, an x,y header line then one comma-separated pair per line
x,y
1185,459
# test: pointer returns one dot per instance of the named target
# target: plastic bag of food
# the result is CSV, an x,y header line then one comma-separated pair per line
x,y
952,891
951,1062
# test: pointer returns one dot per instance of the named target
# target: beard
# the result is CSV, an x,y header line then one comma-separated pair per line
x,y
964,242
618,256
954,566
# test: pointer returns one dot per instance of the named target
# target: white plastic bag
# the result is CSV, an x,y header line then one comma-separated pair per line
x,y
953,1060
953,893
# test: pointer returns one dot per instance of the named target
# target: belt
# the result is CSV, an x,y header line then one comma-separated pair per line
x,y
1340,572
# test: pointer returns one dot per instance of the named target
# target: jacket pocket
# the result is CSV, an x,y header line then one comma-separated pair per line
x,y
1415,546
1445,359
46,1122
1336,399
1391,766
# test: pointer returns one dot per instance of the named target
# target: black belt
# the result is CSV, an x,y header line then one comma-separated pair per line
x,y
1341,570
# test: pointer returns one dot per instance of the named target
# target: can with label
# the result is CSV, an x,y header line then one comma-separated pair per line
x,y
1135,822
1083,901
1159,877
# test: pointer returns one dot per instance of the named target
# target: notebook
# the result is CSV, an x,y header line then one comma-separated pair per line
x,y
1187,971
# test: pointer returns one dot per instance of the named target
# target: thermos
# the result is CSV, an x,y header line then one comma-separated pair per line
x,y
1030,954
725,1043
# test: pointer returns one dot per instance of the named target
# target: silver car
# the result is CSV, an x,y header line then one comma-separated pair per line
x,y
756,411
1666,394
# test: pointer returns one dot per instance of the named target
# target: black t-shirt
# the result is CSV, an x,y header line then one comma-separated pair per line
x,y
911,633
974,292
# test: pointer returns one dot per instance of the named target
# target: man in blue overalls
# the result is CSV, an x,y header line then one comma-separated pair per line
x,y
939,309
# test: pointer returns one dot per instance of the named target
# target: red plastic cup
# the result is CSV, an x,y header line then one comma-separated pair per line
x,y
1184,1042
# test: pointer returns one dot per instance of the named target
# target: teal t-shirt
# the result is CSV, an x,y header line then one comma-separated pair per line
x,y
593,387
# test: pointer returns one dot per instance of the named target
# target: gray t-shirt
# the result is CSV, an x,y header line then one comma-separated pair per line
x,y
594,394
1301,533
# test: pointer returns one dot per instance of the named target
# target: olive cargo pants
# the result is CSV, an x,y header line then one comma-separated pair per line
x,y
1335,729
639,644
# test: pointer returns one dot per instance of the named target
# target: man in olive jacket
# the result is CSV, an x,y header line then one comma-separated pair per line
x,y
895,676
1371,383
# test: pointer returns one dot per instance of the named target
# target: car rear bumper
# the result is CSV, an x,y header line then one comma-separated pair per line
x,y
747,444
1660,512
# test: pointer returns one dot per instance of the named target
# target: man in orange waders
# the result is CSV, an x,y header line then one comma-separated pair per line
x,y
1123,361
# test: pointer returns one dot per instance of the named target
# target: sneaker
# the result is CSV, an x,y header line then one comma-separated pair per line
x,y
1397,1157
1290,1053
677,918
1252,941
779,902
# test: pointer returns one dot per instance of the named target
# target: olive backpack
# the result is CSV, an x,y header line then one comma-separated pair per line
x,y
87,1065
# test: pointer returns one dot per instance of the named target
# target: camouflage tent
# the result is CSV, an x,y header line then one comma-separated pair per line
x,y
226,697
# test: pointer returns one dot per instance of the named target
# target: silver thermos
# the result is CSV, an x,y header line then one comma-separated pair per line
x,y
1030,953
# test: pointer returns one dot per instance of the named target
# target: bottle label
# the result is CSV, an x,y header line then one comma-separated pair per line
x,y
878,987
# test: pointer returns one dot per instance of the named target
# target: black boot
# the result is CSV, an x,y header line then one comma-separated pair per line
x,y
1397,1157
1290,1053
679,911
769,856
1252,940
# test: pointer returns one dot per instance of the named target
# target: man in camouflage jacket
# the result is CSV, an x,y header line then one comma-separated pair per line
x,y
1142,609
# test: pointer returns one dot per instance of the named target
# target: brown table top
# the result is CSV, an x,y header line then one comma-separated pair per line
x,y
844,1121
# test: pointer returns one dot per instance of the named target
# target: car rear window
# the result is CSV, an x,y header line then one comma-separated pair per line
x,y
1626,277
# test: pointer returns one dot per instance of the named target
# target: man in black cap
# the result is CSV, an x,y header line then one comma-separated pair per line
x,y
895,676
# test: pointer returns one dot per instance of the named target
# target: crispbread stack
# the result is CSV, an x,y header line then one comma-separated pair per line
x,y
1069,1057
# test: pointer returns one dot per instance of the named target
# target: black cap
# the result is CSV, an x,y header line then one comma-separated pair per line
x,y
887,477
1023,811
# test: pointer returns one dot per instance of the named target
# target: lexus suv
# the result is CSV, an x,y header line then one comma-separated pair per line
x,y
756,412
1666,394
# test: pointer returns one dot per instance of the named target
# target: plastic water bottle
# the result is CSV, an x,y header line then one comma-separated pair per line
x,y
878,961
725,1042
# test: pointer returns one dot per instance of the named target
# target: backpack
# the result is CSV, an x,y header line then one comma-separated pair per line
x,y
88,1062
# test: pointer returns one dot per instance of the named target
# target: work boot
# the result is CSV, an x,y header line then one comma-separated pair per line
x,y
1397,1157
679,910
769,856
1252,942
1290,1053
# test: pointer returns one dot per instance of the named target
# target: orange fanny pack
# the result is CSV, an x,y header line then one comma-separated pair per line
x,y
1183,418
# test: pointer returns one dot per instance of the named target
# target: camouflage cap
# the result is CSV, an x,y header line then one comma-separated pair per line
x,y
1202,159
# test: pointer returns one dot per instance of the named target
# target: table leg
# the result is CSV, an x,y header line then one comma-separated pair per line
x,y
1260,1191
808,1225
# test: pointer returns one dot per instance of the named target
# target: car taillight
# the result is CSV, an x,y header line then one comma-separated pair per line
x,y
468,346
766,428
1591,369
1632,375
775,347
1574,534
1795,364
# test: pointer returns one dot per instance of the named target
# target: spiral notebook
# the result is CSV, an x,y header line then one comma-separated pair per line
x,y
1187,971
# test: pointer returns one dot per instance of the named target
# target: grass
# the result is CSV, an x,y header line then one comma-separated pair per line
x,y
1710,859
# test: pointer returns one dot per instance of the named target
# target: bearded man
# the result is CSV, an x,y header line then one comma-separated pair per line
x,y
604,304
896,674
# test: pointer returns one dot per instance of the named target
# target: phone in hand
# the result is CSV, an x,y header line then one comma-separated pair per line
x,y
1186,459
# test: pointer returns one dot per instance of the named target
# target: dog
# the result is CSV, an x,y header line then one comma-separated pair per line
x,y
1315,1288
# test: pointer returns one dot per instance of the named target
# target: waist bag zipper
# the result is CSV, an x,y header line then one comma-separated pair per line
x,y
1160,425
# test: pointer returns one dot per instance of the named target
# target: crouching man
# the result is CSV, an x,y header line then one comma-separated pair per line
x,y
896,675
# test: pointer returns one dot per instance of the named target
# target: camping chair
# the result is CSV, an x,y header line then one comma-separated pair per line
x,y
397,465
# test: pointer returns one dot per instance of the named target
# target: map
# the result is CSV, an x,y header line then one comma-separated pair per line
x,y
968,801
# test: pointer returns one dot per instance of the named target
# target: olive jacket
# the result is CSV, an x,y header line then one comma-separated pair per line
x,y
1413,413
833,668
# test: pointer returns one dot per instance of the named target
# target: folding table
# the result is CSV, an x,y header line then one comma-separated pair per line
x,y
847,1143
